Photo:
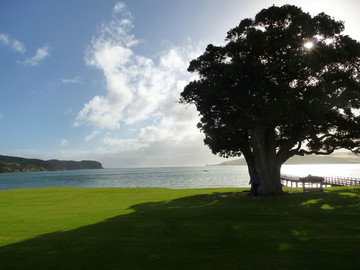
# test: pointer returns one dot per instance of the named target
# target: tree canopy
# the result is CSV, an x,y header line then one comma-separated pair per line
x,y
284,84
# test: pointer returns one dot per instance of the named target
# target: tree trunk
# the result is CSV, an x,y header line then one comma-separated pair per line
x,y
265,161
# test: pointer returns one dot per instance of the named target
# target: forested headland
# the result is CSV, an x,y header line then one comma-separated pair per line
x,y
18,164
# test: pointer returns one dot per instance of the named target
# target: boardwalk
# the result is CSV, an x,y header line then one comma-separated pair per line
x,y
296,181
341,181
308,183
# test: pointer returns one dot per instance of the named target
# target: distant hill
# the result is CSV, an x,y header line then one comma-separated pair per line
x,y
313,159
18,164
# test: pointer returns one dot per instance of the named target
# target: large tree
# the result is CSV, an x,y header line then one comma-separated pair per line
x,y
284,84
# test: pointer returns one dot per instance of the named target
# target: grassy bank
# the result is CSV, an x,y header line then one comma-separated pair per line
x,y
142,228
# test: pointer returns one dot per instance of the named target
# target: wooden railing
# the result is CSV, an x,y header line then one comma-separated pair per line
x,y
308,182
341,181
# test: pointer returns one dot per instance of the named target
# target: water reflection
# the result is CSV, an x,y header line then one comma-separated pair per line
x,y
175,177
345,170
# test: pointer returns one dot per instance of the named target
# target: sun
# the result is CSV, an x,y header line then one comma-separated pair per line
x,y
309,45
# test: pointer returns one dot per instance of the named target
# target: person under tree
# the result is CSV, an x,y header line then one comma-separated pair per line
x,y
255,182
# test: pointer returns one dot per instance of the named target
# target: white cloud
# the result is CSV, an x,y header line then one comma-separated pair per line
x,y
4,39
75,80
119,7
137,87
100,113
18,46
124,145
141,100
91,136
40,55
64,142
12,43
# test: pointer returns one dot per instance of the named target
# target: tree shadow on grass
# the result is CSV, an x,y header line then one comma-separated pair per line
x,y
215,231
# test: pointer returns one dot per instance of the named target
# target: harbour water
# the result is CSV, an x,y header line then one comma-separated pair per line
x,y
162,177
174,177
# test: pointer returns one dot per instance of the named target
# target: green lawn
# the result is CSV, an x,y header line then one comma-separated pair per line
x,y
143,228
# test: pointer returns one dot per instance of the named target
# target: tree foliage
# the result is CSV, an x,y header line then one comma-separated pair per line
x,y
267,96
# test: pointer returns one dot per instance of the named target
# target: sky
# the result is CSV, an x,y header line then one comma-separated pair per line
x,y
101,80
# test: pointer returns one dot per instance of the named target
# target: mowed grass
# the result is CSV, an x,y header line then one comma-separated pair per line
x,y
145,228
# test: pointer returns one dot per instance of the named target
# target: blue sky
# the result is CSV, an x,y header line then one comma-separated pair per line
x,y
91,79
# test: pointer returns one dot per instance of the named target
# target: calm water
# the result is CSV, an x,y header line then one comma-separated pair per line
x,y
177,177
345,170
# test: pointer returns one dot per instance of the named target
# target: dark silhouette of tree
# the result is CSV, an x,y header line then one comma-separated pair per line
x,y
284,84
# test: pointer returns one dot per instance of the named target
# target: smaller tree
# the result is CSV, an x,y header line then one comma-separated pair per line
x,y
285,84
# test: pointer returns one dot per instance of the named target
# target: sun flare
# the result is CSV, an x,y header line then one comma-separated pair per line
x,y
309,45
